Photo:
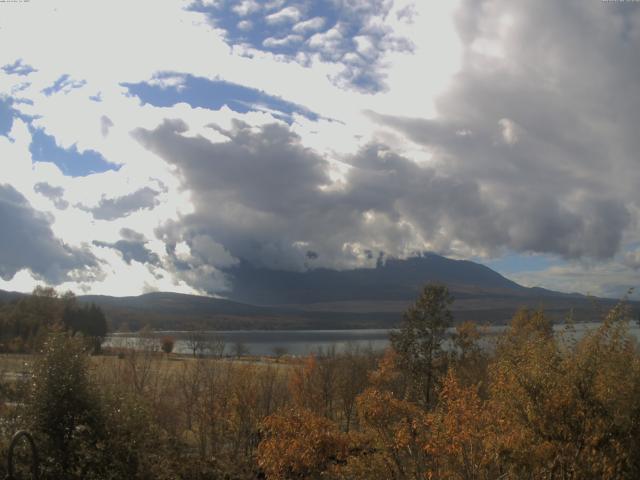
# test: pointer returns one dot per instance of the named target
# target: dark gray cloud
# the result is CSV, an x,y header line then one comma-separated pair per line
x,y
132,235
132,247
131,250
632,259
251,193
105,125
260,197
547,130
112,208
26,241
534,150
55,194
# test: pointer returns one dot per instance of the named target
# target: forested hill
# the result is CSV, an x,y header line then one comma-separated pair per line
x,y
9,296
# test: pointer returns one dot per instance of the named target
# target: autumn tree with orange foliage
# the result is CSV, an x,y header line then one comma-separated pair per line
x,y
468,358
567,410
392,438
460,434
299,444
307,387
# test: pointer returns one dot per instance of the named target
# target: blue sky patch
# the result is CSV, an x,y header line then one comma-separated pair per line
x,y
18,68
64,83
288,28
214,94
251,25
521,262
70,161
6,115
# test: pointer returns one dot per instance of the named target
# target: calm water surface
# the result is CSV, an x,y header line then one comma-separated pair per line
x,y
300,342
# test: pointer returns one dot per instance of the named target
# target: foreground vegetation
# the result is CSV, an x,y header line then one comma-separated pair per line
x,y
533,406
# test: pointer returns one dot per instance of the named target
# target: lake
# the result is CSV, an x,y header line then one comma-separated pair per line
x,y
268,342
297,342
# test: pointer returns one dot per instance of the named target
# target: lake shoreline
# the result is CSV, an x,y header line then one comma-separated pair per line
x,y
296,342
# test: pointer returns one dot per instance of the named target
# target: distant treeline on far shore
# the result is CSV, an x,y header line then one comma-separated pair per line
x,y
26,320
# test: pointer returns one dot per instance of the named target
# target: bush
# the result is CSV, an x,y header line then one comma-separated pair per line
x,y
167,344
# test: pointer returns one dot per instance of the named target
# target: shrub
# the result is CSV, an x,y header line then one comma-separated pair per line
x,y
64,411
167,344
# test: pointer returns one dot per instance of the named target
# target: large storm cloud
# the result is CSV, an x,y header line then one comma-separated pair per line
x,y
542,117
533,150
268,200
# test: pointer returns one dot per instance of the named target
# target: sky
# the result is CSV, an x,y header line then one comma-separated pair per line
x,y
153,145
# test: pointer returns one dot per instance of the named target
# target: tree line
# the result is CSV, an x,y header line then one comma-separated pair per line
x,y
26,320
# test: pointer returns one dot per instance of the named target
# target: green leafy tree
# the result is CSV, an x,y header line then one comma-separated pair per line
x,y
89,320
97,326
419,342
64,410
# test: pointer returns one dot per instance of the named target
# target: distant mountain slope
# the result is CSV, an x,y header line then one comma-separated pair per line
x,y
175,304
9,296
395,280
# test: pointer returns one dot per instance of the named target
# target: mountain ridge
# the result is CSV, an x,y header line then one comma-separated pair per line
x,y
396,279
330,299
